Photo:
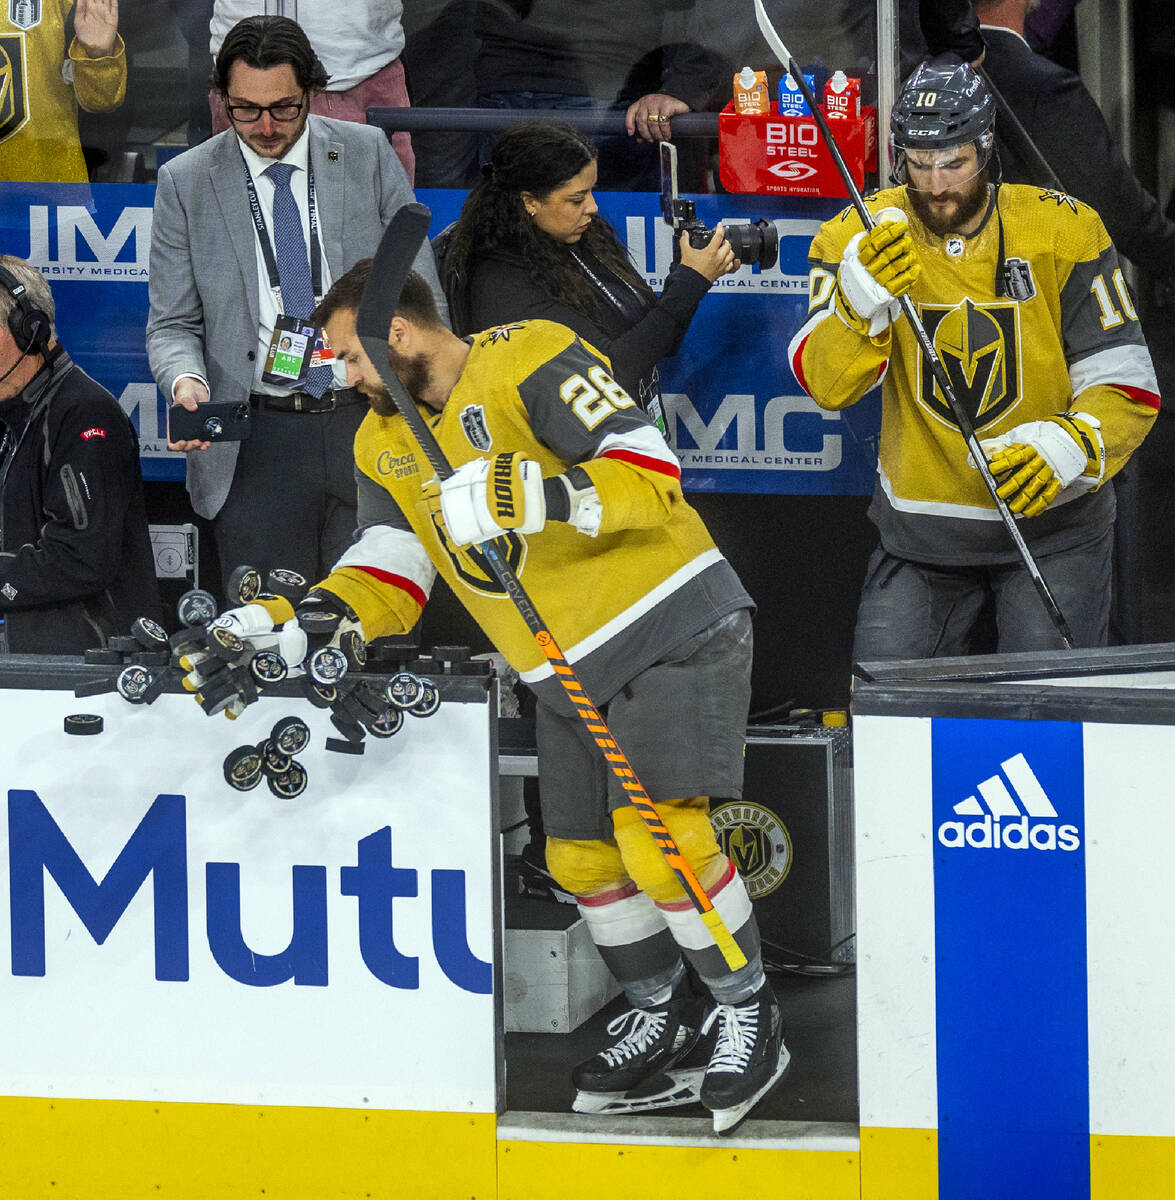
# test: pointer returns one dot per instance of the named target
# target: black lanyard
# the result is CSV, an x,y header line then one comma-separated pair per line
x,y
267,246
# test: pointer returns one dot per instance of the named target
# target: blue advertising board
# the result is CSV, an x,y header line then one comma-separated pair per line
x,y
737,417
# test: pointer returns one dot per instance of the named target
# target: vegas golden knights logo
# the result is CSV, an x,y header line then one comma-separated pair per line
x,y
471,564
757,842
979,347
13,99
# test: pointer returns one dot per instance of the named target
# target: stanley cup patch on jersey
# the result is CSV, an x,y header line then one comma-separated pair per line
x,y
24,14
1017,280
473,421
979,347
14,109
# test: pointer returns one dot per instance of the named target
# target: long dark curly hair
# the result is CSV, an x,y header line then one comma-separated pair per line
x,y
536,157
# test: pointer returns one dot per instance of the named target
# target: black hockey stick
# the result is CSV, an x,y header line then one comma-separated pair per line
x,y
962,419
393,260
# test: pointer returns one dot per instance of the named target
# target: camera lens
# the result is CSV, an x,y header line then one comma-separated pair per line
x,y
240,412
754,242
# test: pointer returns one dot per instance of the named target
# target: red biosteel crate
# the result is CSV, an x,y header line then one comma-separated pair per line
x,y
786,156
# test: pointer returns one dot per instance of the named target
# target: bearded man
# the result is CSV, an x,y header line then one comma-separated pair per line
x,y
1021,292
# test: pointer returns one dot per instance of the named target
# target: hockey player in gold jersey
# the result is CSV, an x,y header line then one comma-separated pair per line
x,y
1020,290
554,457
43,82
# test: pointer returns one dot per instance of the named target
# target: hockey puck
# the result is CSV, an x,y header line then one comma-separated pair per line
x,y
83,723
154,689
349,728
404,689
104,658
327,665
224,643
149,634
124,645
291,735
319,694
289,584
268,667
429,702
290,783
244,584
355,648
388,724
242,768
343,746
195,607
132,683
273,760
152,658
96,687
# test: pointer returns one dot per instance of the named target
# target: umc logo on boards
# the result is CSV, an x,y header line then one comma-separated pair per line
x,y
1012,812
39,849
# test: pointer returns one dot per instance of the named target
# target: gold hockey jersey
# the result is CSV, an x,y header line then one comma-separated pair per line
x,y
1059,333
616,602
41,87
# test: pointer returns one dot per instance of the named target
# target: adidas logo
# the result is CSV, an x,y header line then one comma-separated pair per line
x,y
1002,823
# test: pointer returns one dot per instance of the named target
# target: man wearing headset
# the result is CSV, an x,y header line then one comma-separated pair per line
x,y
75,556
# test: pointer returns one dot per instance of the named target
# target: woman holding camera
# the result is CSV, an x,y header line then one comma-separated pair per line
x,y
530,243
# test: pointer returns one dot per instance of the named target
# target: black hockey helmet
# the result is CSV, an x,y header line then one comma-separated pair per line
x,y
944,103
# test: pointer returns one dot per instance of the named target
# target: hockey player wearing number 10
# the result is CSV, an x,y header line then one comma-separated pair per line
x,y
1020,292
554,458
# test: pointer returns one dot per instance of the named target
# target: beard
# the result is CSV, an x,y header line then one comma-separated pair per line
x,y
412,371
969,201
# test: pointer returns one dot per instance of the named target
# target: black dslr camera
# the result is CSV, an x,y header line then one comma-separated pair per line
x,y
753,242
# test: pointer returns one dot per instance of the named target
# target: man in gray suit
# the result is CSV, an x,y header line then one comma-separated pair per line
x,y
250,229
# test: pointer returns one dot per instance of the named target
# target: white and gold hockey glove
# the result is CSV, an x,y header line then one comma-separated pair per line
x,y
877,268
1039,461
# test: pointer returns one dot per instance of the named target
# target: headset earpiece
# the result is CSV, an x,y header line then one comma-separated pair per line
x,y
28,323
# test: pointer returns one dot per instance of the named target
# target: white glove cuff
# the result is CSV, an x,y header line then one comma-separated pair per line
x,y
246,621
586,510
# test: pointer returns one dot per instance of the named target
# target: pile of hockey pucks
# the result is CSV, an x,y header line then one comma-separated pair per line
x,y
218,664
145,659
362,706
272,759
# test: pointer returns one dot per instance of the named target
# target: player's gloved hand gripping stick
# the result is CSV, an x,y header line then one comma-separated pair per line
x,y
393,260
962,419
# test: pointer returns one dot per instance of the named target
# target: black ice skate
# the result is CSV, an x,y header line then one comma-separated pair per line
x,y
637,1072
749,1057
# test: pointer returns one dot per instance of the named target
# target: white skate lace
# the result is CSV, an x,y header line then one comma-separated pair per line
x,y
646,1028
738,1031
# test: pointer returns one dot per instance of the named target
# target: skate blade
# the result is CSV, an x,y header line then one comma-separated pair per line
x,y
670,1089
725,1119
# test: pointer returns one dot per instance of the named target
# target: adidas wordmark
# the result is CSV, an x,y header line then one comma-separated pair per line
x,y
1003,824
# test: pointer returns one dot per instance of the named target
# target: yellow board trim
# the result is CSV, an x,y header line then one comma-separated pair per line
x,y
587,1171
1131,1168
899,1164
124,1150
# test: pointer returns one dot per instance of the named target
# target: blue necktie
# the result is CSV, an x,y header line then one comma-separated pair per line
x,y
293,263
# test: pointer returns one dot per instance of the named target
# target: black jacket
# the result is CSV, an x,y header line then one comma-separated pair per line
x,y
75,556
1068,128
501,290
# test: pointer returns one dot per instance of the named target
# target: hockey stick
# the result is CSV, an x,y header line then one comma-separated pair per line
x,y
962,419
393,260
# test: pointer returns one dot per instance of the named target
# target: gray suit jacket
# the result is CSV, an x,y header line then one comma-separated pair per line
x,y
203,282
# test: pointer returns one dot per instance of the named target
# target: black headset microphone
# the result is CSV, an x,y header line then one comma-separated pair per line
x,y
29,324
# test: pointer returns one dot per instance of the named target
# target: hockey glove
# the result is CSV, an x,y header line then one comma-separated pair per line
x,y
217,667
1036,462
877,267
487,497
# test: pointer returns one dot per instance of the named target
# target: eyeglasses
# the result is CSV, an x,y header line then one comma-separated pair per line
x,y
246,114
